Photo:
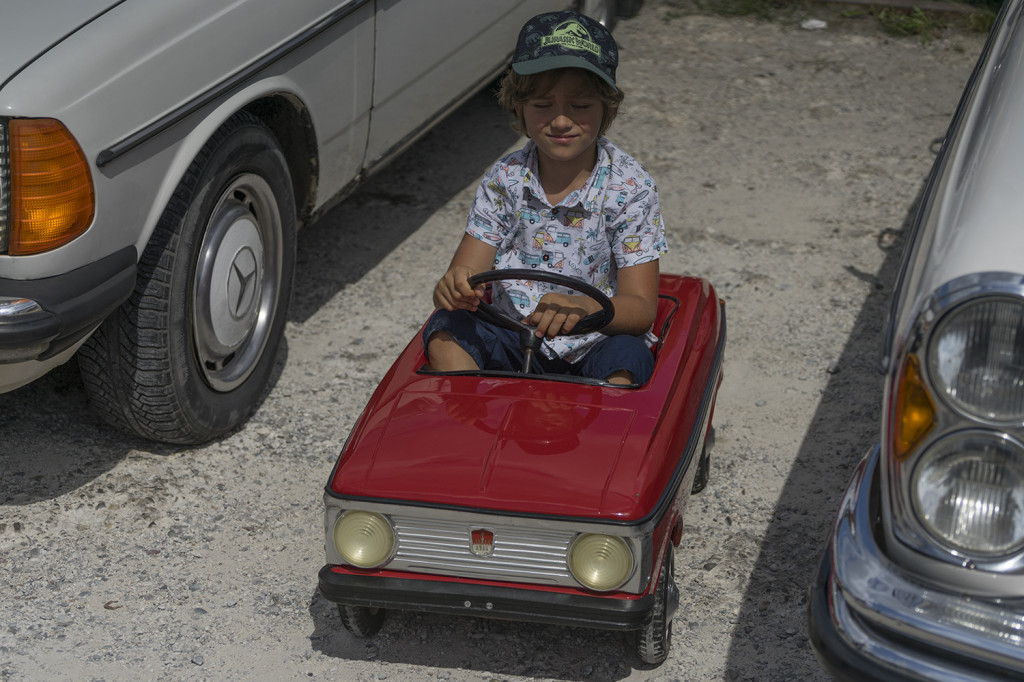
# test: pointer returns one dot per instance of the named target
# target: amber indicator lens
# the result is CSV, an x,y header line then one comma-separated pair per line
x,y
915,410
52,197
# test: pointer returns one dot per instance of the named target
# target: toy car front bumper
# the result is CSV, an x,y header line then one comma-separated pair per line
x,y
41,318
485,600
870,619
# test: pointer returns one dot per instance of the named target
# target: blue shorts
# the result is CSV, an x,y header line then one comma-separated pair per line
x,y
497,348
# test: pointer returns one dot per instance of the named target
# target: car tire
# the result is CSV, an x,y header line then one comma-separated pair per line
x,y
604,12
628,8
361,621
191,353
654,639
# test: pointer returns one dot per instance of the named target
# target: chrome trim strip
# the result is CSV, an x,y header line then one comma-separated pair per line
x,y
870,597
485,518
231,82
16,309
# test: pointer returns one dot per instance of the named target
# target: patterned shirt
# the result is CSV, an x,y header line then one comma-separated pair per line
x,y
611,222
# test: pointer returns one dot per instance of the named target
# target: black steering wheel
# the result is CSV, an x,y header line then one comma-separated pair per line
x,y
528,340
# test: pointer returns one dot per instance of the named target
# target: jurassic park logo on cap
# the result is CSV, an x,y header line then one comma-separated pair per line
x,y
567,39
572,36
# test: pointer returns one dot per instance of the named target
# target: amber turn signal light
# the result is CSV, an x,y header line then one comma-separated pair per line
x,y
52,197
915,410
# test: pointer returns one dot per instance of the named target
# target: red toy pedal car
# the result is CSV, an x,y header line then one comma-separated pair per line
x,y
507,495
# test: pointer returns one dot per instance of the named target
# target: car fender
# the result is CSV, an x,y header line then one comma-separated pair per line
x,y
975,193
157,113
166,173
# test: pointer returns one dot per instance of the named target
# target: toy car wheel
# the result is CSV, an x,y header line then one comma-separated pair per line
x,y
655,638
361,621
703,475
189,356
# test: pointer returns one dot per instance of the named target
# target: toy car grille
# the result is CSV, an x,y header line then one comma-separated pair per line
x,y
514,554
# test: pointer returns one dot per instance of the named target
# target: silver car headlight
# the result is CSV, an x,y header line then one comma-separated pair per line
x,y
976,359
967,491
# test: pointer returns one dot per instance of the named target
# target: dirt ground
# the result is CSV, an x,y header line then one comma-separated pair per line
x,y
788,161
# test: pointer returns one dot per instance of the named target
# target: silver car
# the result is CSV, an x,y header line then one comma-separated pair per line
x,y
157,158
923,575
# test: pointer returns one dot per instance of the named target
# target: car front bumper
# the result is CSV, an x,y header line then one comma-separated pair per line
x,y
486,600
41,320
870,619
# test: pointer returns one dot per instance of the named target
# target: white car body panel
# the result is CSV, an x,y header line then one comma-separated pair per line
x,y
980,190
143,85
435,69
41,24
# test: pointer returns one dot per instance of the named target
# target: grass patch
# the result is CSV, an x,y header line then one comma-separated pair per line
x,y
760,9
927,25
912,22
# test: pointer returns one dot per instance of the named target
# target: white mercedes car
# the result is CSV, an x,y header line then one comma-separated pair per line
x,y
157,158
923,575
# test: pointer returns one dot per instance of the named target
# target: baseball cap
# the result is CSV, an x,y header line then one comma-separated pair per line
x,y
559,40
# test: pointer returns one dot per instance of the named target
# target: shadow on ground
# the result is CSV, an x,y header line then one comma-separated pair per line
x,y
52,443
495,648
845,425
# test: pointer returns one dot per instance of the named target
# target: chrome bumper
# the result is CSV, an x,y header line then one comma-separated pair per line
x,y
870,619
42,321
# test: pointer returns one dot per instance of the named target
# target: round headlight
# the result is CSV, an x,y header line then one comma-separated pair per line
x,y
976,359
600,562
968,492
363,539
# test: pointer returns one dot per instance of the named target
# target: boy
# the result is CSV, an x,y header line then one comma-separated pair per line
x,y
569,201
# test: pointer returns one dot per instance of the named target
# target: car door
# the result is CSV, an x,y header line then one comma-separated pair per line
x,y
432,53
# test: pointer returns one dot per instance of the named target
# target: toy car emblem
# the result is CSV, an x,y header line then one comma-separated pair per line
x,y
481,542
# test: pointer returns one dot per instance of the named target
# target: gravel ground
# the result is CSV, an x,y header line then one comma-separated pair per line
x,y
788,161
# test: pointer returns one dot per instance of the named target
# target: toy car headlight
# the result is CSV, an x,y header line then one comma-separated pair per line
x,y
600,562
976,359
364,539
968,493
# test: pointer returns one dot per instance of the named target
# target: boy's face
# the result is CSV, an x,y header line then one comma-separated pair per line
x,y
564,121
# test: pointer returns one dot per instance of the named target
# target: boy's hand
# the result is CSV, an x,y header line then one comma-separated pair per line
x,y
453,291
559,313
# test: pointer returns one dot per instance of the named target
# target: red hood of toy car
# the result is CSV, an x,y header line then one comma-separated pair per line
x,y
541,446
517,446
